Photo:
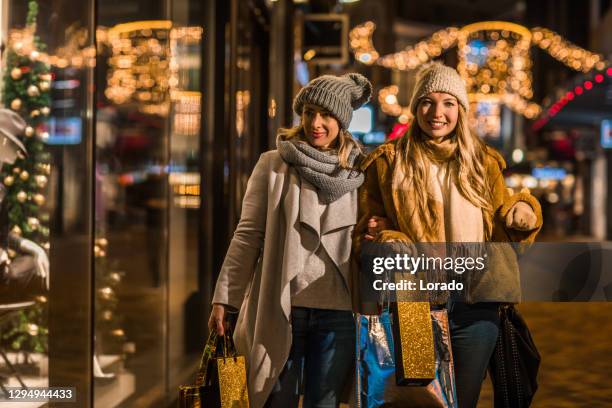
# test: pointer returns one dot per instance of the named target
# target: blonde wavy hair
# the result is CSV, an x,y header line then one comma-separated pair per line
x,y
471,174
343,144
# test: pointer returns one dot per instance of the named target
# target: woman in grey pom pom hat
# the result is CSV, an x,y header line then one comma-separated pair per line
x,y
286,269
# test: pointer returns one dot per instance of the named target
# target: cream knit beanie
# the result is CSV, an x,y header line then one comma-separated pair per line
x,y
439,78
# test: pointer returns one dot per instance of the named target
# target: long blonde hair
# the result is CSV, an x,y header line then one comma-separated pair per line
x,y
343,144
471,177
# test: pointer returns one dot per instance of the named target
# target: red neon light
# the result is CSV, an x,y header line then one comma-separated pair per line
x,y
599,78
569,95
588,85
578,90
609,71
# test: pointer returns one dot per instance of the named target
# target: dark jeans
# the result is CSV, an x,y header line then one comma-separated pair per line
x,y
321,360
474,330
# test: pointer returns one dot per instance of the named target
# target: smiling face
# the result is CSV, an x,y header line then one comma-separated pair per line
x,y
320,127
437,115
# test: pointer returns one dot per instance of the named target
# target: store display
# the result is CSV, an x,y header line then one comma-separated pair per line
x,y
21,93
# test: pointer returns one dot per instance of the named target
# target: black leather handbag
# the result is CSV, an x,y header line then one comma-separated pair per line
x,y
515,362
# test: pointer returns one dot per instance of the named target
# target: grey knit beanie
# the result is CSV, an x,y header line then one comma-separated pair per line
x,y
439,78
339,95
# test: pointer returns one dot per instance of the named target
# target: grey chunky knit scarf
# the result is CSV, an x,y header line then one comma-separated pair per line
x,y
322,169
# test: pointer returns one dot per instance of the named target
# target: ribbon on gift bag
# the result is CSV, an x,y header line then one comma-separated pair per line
x,y
221,379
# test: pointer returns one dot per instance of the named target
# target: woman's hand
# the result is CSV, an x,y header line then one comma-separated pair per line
x,y
521,217
217,320
376,224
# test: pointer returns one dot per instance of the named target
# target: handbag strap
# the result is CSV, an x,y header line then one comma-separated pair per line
x,y
210,350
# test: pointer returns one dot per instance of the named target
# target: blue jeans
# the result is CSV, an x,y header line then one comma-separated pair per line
x,y
474,329
321,359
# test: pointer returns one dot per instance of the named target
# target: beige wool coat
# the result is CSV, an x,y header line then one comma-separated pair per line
x,y
266,253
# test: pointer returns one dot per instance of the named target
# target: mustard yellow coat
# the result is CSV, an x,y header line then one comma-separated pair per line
x,y
378,198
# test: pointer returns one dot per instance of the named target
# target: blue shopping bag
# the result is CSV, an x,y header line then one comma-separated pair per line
x,y
376,366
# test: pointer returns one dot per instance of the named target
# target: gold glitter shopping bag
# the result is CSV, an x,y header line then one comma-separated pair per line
x,y
221,381
414,343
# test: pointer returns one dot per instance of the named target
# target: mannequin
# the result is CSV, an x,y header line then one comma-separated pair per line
x,y
33,261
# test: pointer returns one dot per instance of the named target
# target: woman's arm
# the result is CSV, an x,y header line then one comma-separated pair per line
x,y
247,242
507,205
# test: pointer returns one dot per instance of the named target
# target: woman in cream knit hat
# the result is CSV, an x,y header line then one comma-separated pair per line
x,y
441,183
286,269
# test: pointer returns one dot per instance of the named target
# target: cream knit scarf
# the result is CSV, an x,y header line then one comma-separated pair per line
x,y
461,221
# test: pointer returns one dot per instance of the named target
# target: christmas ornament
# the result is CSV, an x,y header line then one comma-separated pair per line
x,y
9,180
114,277
16,170
43,135
29,131
34,55
16,104
103,242
46,77
44,217
107,315
106,293
24,175
35,113
44,86
44,168
39,199
33,91
97,251
12,254
46,246
32,329
41,299
118,333
44,231
41,181
33,223
45,110
16,74
22,196
16,230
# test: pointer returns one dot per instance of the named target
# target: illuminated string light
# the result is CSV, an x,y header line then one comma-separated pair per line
x,y
494,59
387,97
75,53
144,66
360,39
564,51
566,99
139,65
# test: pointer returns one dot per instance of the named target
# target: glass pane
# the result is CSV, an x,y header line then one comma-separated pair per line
x,y
185,316
131,207
47,67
